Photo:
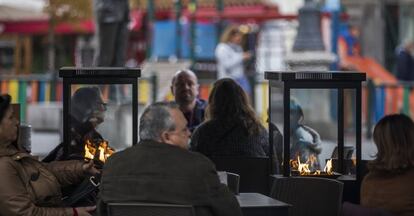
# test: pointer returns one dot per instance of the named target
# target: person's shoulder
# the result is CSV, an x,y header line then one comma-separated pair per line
x,y
201,103
6,163
221,47
199,158
206,124
123,154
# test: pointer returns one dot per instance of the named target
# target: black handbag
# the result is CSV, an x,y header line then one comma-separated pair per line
x,y
84,194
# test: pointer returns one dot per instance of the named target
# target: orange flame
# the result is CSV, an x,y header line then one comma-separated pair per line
x,y
102,152
303,168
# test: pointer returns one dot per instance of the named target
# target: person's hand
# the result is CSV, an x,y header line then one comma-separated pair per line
x,y
247,55
89,168
84,211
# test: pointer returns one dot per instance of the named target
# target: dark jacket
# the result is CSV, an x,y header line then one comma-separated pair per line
x,y
393,193
158,172
110,11
79,133
213,138
196,117
405,66
29,187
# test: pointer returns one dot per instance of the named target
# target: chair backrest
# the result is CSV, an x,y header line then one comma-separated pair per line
x,y
149,209
233,182
350,209
309,195
254,172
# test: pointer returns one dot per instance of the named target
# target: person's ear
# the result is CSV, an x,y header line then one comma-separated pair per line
x,y
172,90
165,137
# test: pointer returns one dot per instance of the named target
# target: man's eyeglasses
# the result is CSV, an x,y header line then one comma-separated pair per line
x,y
102,105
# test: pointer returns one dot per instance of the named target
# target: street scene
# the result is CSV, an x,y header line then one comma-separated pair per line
x,y
248,98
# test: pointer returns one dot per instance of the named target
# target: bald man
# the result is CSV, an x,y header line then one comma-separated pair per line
x,y
184,87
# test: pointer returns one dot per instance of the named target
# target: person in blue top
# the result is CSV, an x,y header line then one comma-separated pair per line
x,y
405,61
184,87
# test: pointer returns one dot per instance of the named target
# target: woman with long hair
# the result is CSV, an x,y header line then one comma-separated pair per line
x,y
386,185
230,57
231,126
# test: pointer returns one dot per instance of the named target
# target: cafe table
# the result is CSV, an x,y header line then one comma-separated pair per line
x,y
256,204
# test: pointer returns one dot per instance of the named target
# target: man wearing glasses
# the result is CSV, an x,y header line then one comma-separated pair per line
x,y
160,169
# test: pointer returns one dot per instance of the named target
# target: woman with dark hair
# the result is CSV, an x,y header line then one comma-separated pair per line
x,y
29,187
231,126
387,185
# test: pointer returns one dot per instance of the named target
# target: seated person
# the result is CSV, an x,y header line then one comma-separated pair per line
x,y
184,87
29,187
160,169
231,127
87,111
387,184
305,141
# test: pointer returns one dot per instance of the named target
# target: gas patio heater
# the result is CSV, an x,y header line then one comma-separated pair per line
x,y
100,113
315,124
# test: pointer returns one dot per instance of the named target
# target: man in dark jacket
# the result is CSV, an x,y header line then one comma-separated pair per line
x,y
112,18
184,87
160,169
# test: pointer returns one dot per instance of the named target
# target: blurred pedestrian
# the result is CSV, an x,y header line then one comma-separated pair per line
x,y
348,46
405,61
230,57
112,18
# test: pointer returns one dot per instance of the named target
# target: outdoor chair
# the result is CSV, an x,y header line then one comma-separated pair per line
x,y
254,172
149,209
233,182
309,195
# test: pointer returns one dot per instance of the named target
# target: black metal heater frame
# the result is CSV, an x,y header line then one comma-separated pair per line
x,y
98,75
318,80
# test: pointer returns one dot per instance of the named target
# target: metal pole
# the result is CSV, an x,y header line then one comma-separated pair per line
x,y
192,7
358,101
339,163
220,9
154,85
371,107
178,10
286,130
150,14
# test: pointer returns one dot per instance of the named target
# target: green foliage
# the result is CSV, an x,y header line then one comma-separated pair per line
x,y
71,11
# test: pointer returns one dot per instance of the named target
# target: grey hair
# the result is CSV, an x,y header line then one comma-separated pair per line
x,y
156,119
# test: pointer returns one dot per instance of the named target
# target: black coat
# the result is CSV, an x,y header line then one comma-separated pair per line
x,y
405,66
158,172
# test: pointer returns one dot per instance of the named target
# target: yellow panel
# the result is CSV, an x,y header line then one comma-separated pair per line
x,y
144,92
14,90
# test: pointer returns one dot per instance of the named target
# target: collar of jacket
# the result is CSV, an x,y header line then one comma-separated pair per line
x,y
156,144
13,152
